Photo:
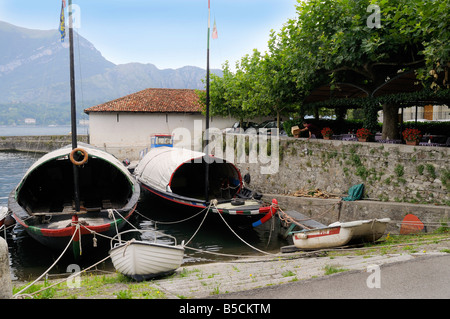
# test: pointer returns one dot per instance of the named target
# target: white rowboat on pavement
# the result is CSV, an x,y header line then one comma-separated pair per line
x,y
340,234
142,260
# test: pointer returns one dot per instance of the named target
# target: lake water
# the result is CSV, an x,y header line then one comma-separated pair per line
x,y
36,130
29,259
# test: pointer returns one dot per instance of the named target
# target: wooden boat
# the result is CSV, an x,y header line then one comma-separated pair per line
x,y
178,176
74,192
142,260
43,201
340,234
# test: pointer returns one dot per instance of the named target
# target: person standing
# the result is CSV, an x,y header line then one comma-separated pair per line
x,y
313,130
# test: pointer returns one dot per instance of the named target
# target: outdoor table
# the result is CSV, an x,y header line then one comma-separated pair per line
x,y
390,141
434,138
430,144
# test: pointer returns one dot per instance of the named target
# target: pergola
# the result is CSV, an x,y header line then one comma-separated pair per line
x,y
405,82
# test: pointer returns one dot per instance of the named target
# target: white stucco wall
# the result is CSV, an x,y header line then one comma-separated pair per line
x,y
126,134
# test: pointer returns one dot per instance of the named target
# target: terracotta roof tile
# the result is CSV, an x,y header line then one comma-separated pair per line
x,y
153,101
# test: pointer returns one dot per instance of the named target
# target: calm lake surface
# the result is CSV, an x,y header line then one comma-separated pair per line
x,y
36,130
29,259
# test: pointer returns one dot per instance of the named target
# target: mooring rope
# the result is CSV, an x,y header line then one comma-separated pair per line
x,y
289,220
198,228
261,251
65,279
16,295
171,222
111,214
213,203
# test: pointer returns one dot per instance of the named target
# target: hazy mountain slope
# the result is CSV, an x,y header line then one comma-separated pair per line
x,y
34,70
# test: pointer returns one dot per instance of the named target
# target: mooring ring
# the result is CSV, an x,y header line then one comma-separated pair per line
x,y
84,160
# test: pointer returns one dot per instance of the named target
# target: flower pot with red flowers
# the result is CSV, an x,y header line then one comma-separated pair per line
x,y
327,133
412,136
363,134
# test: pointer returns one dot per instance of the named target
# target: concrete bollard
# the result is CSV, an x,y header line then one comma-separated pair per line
x,y
5,275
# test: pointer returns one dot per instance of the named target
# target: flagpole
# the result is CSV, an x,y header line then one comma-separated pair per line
x,y
72,80
73,108
207,108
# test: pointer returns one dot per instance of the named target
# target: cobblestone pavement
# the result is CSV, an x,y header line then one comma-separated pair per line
x,y
208,280
217,279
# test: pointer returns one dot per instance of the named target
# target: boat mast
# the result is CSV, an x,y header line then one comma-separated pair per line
x,y
73,115
207,108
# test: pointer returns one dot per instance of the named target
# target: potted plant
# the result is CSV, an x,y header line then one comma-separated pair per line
x,y
327,133
412,136
363,134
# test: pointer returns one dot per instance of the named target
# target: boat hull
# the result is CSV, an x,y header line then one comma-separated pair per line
x,y
251,212
82,237
145,260
340,234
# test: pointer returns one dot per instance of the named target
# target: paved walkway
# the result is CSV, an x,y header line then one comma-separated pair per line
x,y
423,277
224,279
419,270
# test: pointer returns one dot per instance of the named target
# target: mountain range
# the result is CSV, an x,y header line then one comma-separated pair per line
x,y
34,76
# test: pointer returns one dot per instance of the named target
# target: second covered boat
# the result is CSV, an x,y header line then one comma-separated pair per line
x,y
178,176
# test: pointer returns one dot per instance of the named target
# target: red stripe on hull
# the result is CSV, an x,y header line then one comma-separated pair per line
x,y
68,231
327,232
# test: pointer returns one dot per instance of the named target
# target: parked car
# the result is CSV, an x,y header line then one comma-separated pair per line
x,y
270,124
236,127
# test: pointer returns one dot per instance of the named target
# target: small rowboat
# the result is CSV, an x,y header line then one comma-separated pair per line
x,y
340,234
143,260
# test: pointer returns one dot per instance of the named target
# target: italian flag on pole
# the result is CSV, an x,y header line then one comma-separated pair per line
x,y
214,33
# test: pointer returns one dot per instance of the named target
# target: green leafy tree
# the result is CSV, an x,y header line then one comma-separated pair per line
x,y
334,41
363,43
230,94
275,90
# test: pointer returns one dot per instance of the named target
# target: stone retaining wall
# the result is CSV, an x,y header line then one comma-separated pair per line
x,y
41,144
389,172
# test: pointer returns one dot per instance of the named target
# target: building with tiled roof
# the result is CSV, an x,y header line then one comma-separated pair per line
x,y
153,101
124,126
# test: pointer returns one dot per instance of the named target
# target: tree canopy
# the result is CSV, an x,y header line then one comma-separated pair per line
x,y
363,43
336,38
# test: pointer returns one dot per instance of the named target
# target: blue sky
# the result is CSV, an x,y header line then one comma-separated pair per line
x,y
167,33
